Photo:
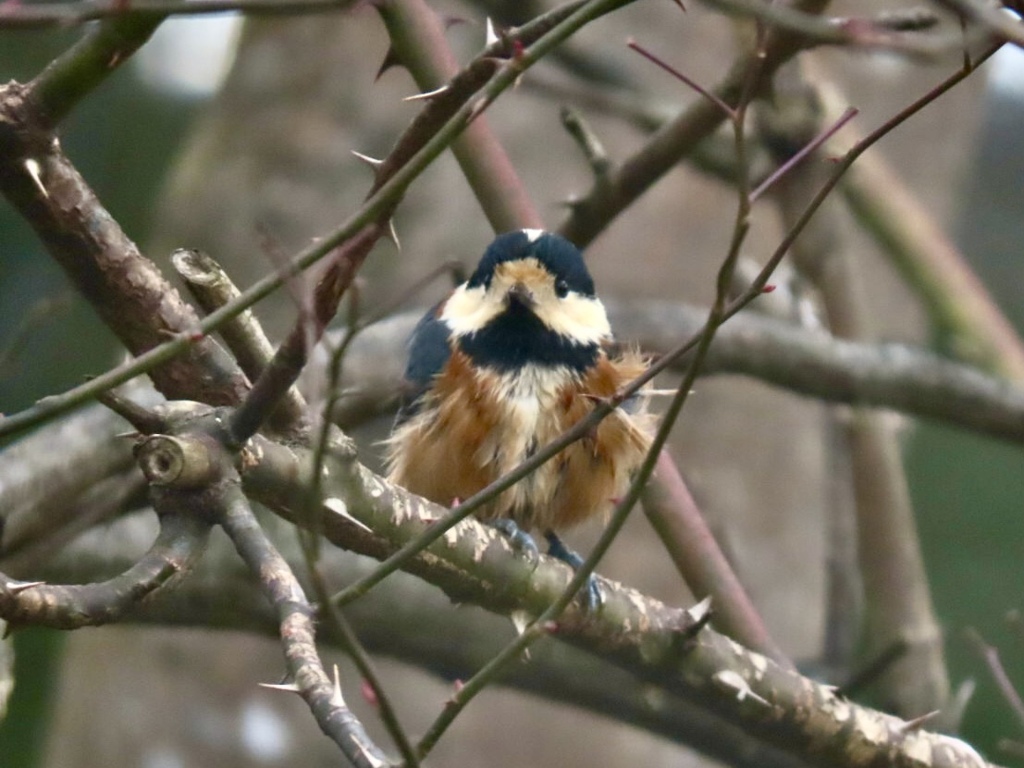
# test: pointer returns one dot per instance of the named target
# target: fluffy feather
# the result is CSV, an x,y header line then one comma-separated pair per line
x,y
509,362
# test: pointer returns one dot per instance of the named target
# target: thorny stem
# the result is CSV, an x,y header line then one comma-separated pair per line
x,y
297,631
418,38
76,72
602,409
37,16
350,644
385,196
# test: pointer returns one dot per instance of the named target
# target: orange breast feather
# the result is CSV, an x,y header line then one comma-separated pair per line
x,y
475,426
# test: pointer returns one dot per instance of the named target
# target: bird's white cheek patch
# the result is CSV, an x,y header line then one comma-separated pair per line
x,y
469,309
576,317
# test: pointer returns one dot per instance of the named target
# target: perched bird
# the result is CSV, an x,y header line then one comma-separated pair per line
x,y
509,361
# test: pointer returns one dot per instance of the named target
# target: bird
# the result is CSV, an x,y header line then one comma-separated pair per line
x,y
510,360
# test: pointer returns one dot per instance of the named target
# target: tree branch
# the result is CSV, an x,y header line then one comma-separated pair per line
x,y
473,563
678,138
894,376
418,42
449,640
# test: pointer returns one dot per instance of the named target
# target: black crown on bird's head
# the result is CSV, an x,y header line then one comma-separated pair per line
x,y
556,254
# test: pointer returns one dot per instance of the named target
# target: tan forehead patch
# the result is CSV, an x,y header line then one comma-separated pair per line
x,y
523,271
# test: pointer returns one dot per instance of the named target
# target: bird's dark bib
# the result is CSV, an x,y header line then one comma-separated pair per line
x,y
517,338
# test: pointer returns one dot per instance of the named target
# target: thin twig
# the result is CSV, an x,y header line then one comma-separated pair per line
x,y
806,150
676,139
990,655
39,16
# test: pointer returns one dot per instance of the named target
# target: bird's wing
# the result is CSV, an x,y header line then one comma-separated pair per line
x,y
429,350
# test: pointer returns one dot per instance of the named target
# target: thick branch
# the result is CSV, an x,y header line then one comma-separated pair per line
x,y
295,616
473,563
893,376
178,545
125,288
448,640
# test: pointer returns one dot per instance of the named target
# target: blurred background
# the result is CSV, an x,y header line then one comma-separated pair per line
x,y
236,139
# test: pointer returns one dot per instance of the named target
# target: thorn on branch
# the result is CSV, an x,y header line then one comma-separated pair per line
x,y
336,698
283,687
520,620
427,95
33,169
392,234
340,508
390,60
372,162
700,615
914,724
733,682
17,587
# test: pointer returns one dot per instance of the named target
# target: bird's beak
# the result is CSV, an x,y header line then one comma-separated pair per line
x,y
520,294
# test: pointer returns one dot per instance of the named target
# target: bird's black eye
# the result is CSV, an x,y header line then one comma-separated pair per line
x,y
561,288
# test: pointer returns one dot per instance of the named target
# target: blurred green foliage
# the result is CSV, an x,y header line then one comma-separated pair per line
x,y
121,139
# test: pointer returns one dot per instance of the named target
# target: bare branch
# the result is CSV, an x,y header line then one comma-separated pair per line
x,y
473,563
126,289
178,545
690,543
295,616
212,288
219,593
677,139
418,40
37,16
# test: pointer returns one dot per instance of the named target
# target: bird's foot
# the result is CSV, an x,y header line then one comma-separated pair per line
x,y
520,540
590,593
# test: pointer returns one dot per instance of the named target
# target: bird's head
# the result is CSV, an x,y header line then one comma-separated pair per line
x,y
530,279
